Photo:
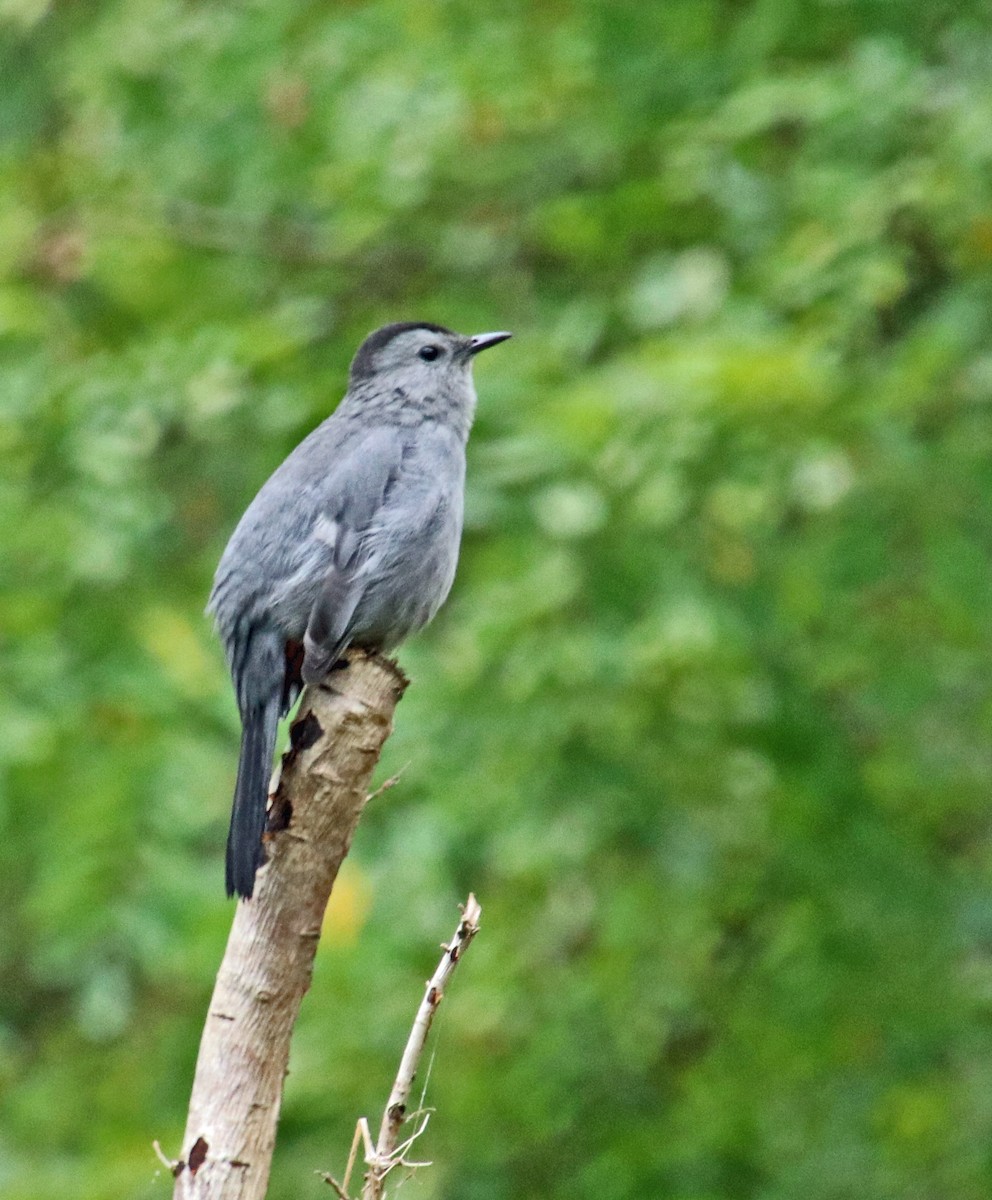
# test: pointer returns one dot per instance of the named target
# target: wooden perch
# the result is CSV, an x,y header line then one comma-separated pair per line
x,y
237,1090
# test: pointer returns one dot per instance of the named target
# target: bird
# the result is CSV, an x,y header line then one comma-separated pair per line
x,y
353,541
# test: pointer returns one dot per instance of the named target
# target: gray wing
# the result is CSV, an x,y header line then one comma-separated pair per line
x,y
362,482
300,541
328,629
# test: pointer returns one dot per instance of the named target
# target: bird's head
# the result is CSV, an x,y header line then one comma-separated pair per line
x,y
418,357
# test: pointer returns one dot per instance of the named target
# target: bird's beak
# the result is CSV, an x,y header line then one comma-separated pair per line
x,y
482,341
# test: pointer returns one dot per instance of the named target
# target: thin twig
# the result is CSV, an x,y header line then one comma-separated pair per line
x,y
387,1154
174,1165
340,1190
386,784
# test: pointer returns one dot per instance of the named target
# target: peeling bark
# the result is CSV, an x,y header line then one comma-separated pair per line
x,y
237,1090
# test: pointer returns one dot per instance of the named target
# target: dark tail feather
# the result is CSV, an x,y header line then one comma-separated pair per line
x,y
251,792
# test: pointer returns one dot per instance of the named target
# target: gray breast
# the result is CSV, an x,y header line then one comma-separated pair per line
x,y
411,579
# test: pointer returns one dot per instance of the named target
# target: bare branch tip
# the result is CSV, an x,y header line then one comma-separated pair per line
x,y
329,1179
471,912
173,1165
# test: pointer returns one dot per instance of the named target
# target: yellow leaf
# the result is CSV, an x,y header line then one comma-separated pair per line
x,y
347,908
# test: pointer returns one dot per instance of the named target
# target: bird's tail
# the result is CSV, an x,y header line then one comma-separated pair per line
x,y
251,792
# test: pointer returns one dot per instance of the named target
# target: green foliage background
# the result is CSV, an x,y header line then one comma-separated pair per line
x,y
705,723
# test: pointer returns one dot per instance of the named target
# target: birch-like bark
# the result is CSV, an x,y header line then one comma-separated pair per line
x,y
237,1090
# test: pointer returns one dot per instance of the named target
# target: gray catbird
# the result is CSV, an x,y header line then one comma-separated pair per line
x,y
353,541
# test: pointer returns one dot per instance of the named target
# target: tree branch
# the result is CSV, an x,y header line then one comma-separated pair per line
x,y
386,1156
237,1090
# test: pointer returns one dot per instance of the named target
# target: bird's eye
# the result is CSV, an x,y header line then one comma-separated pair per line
x,y
429,353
